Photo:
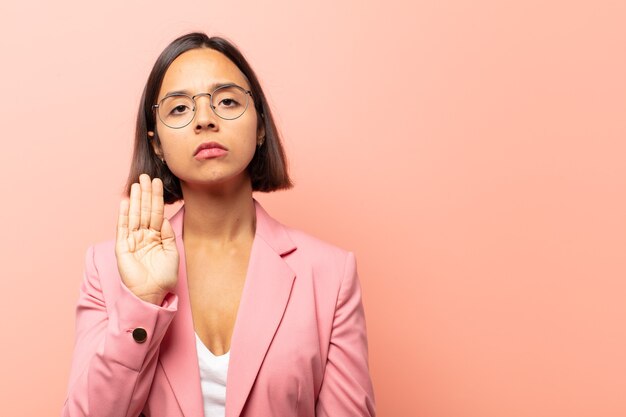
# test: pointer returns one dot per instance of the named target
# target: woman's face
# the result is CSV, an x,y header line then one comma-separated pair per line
x,y
200,71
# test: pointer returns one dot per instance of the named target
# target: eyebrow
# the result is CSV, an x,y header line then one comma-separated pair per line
x,y
212,87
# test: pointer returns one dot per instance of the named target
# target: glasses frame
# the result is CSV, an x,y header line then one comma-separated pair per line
x,y
248,94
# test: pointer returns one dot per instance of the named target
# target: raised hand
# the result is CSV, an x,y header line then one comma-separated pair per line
x,y
145,247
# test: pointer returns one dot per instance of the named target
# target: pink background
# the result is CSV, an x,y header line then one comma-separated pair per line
x,y
471,154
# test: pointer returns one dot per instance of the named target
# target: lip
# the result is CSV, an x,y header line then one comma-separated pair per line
x,y
209,153
209,145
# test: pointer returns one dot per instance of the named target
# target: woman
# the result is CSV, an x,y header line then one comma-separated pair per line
x,y
219,310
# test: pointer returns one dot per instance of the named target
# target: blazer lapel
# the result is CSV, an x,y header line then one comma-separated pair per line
x,y
178,348
264,298
263,302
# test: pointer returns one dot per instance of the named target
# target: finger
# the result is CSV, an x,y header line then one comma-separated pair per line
x,y
146,200
133,212
156,219
122,222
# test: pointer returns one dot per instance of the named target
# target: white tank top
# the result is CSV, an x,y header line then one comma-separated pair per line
x,y
213,370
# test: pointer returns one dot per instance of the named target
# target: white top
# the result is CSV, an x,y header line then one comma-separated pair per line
x,y
213,371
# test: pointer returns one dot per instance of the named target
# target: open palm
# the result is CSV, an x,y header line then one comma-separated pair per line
x,y
145,247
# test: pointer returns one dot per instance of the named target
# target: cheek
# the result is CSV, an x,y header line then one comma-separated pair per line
x,y
248,134
173,144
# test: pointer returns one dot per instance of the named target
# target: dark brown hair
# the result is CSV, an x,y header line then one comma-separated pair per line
x,y
268,168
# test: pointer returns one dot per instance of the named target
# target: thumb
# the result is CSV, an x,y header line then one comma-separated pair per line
x,y
167,234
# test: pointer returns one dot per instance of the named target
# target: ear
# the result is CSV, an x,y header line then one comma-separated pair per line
x,y
155,145
261,129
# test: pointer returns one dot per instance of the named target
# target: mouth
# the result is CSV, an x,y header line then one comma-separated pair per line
x,y
209,145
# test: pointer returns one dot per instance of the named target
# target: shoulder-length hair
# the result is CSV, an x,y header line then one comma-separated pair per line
x,y
268,168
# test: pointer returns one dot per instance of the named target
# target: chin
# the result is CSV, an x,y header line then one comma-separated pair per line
x,y
216,178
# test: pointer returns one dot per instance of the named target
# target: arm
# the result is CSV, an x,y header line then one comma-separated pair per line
x,y
347,388
112,373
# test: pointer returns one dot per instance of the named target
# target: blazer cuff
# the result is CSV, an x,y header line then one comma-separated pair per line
x,y
131,347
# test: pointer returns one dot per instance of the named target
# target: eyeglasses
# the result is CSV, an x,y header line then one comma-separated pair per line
x,y
228,102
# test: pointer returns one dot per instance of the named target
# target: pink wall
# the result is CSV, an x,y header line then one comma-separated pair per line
x,y
470,153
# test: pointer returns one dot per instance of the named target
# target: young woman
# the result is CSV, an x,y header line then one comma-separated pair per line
x,y
220,310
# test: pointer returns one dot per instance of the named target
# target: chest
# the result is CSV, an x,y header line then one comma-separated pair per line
x,y
215,280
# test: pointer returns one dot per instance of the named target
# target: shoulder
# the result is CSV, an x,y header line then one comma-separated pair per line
x,y
100,259
297,246
312,244
318,254
103,250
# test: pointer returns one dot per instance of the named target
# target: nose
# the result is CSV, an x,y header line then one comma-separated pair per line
x,y
205,116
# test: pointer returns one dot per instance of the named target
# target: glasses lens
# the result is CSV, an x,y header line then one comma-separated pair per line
x,y
230,102
176,111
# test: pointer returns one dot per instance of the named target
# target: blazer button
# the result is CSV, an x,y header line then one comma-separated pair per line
x,y
140,335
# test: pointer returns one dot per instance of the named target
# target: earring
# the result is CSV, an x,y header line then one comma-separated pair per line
x,y
261,141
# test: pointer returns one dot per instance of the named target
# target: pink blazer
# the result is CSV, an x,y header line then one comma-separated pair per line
x,y
299,346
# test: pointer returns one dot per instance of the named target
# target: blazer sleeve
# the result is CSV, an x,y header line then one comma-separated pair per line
x,y
346,389
111,373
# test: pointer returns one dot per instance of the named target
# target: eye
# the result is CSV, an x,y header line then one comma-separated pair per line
x,y
180,109
174,106
228,102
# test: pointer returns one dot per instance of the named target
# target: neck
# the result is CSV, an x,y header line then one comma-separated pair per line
x,y
219,216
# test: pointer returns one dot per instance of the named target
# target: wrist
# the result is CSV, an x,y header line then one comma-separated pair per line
x,y
149,295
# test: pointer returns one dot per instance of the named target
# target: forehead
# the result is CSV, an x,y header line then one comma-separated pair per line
x,y
198,69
